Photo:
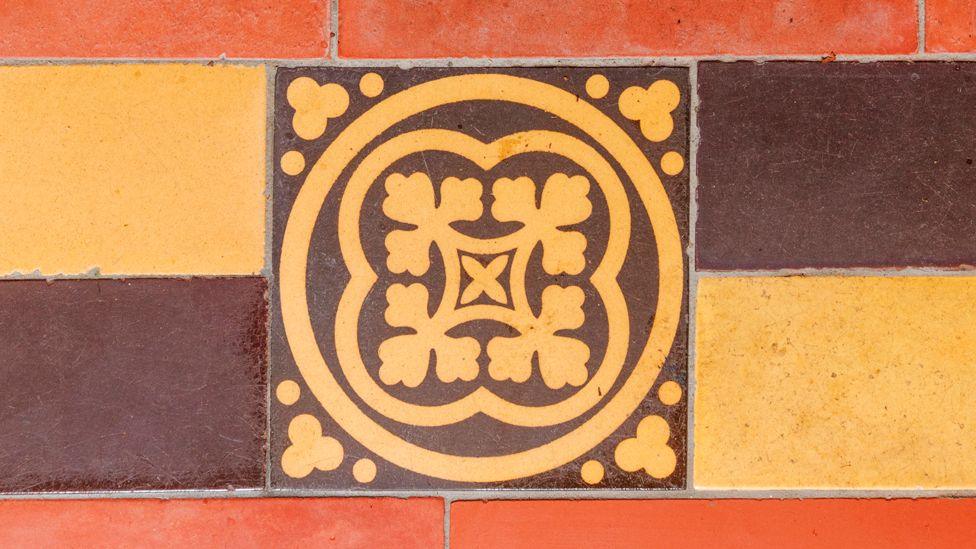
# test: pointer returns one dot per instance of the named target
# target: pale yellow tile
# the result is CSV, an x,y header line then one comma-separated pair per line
x,y
860,382
132,169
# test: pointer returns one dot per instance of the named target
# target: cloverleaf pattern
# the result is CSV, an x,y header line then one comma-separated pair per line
x,y
564,202
562,360
406,358
410,200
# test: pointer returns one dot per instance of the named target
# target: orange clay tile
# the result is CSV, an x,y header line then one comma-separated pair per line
x,y
950,26
238,523
835,382
164,28
501,28
132,169
715,524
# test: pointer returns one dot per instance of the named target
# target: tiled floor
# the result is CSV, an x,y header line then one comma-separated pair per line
x,y
481,278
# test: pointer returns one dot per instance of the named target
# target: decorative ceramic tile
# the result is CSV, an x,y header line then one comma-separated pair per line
x,y
836,165
136,384
480,278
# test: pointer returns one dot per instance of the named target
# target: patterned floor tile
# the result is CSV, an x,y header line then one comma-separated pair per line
x,y
480,278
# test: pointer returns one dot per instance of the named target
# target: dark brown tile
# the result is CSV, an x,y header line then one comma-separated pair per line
x,y
836,165
481,278
109,384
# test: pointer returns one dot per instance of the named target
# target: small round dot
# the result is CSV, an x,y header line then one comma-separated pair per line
x,y
288,392
672,163
669,392
364,470
597,86
292,162
592,472
371,84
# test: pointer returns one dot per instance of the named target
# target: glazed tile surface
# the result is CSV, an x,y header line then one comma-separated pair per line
x,y
480,278
139,384
836,165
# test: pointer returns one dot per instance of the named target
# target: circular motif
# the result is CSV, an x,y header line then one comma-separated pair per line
x,y
672,163
364,470
371,84
351,142
592,472
669,393
597,86
292,162
288,392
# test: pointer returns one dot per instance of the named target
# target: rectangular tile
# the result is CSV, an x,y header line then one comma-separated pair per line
x,y
717,524
165,28
239,523
950,26
481,278
132,169
836,165
497,28
135,384
835,382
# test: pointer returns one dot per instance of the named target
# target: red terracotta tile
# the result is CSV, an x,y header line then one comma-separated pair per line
x,y
164,28
834,523
238,523
950,26
485,28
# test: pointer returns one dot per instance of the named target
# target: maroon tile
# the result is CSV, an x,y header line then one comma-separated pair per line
x,y
109,384
481,278
836,165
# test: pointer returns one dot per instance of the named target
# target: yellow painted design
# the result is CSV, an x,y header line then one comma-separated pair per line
x,y
371,84
649,450
361,133
314,105
669,393
132,169
288,392
364,470
309,450
672,163
292,163
651,107
484,279
836,382
597,86
592,472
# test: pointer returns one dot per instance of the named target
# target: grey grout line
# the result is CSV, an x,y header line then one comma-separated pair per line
x,y
447,523
676,61
921,26
855,271
271,75
334,30
451,496
694,138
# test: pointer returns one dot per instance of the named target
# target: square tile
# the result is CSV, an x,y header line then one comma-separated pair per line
x,y
480,278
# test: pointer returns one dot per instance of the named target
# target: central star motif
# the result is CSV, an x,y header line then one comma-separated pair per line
x,y
484,279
